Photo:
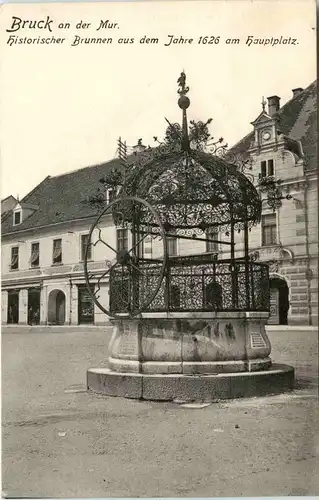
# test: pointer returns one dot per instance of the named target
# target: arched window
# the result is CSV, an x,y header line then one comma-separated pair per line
x,y
213,296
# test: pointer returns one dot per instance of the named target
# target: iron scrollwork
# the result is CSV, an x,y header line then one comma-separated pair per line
x,y
185,186
125,266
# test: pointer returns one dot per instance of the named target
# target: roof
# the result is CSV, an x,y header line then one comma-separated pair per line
x,y
297,119
10,197
7,204
62,198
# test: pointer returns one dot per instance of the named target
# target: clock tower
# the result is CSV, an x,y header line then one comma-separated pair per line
x,y
265,126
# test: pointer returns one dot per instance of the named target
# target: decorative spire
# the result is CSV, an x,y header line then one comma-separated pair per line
x,y
182,90
263,103
183,103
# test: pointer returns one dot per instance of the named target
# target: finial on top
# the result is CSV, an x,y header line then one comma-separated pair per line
x,y
182,90
263,103
183,101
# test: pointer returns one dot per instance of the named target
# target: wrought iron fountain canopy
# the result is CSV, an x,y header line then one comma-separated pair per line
x,y
178,190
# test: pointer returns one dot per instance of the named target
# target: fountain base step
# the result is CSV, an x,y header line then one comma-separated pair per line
x,y
158,387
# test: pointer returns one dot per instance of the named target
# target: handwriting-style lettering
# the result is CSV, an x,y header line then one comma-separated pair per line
x,y
18,23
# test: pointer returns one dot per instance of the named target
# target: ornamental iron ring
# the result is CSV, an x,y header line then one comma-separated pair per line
x,y
132,286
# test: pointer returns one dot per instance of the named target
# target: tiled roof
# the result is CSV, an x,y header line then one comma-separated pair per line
x,y
7,205
297,119
61,198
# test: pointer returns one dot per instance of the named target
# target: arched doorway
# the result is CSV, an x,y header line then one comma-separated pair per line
x,y
279,301
56,308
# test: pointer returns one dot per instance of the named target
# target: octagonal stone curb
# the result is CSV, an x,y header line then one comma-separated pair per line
x,y
278,379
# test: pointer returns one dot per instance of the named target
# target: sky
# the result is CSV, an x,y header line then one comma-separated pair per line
x,y
63,107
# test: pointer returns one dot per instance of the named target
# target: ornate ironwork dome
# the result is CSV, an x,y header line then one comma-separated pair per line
x,y
192,190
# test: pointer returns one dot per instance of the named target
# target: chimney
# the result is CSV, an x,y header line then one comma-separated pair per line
x,y
296,91
273,105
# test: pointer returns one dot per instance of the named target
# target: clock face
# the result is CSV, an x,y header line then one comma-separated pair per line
x,y
266,136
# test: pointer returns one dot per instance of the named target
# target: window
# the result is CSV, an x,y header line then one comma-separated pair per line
x,y
35,255
121,239
267,168
57,251
110,195
263,168
16,218
172,245
84,242
269,229
270,164
212,234
15,258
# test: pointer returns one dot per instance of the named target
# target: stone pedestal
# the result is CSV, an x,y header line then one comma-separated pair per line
x,y
190,356
190,343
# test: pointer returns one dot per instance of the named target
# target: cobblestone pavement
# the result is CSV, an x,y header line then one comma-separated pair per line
x,y
59,441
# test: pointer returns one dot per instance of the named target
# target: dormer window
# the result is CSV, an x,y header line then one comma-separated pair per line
x,y
267,168
17,218
23,211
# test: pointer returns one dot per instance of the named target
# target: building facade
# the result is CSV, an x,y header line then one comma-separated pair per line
x,y
283,145
44,236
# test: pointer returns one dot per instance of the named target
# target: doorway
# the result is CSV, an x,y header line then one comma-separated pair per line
x,y
34,306
86,306
56,308
279,302
13,307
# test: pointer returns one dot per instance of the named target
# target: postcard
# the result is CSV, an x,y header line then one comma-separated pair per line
x,y
159,219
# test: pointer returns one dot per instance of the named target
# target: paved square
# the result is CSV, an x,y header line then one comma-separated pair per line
x,y
59,441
